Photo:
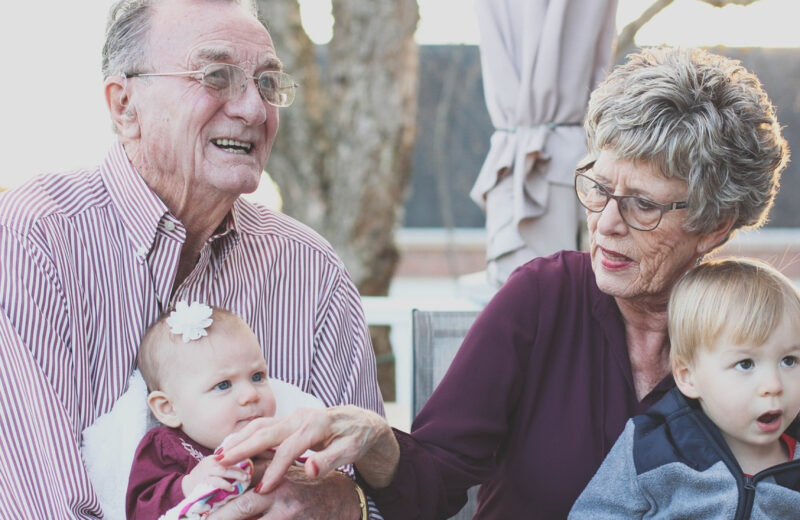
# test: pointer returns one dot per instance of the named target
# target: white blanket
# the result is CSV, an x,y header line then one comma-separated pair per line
x,y
109,444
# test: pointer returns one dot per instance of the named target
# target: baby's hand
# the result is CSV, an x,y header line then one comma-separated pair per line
x,y
210,471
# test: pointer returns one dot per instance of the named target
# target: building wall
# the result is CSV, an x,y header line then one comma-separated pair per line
x,y
454,130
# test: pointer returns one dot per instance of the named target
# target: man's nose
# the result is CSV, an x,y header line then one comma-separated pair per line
x,y
249,106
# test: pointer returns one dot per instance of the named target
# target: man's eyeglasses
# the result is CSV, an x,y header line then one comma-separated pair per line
x,y
637,212
226,81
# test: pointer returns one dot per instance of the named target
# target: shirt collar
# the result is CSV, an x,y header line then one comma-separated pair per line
x,y
139,208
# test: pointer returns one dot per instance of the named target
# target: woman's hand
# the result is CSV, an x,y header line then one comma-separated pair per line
x,y
339,435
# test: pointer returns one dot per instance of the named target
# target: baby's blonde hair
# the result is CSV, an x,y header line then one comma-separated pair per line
x,y
156,358
743,297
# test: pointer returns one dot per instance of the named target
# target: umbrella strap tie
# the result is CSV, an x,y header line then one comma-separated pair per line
x,y
551,126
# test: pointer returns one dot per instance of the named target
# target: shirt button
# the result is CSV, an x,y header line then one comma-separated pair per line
x,y
169,225
141,252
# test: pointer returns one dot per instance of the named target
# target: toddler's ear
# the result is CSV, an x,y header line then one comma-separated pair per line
x,y
162,408
684,378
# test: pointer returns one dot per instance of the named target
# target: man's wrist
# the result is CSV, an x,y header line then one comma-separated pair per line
x,y
362,501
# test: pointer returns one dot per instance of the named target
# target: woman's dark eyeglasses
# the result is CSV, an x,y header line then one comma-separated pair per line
x,y
637,212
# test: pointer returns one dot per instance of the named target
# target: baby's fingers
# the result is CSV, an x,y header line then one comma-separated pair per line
x,y
233,473
220,483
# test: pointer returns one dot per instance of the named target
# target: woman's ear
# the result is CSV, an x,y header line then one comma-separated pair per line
x,y
162,408
122,111
715,237
683,374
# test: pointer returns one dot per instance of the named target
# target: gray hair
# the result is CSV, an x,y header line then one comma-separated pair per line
x,y
699,117
125,48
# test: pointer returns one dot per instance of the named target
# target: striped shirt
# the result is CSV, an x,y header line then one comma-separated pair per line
x,y
88,259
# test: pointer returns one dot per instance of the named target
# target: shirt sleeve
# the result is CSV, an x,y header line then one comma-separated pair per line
x,y
613,493
455,438
344,363
344,367
157,473
42,474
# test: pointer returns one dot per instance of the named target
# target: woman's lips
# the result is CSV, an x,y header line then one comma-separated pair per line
x,y
612,260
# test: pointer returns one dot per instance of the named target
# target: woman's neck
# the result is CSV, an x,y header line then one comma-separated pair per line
x,y
648,343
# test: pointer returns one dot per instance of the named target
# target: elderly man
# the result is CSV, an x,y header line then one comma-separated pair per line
x,y
91,258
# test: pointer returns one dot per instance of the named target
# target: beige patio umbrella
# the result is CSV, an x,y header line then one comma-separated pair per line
x,y
540,60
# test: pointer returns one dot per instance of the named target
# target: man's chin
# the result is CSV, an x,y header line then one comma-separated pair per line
x,y
237,180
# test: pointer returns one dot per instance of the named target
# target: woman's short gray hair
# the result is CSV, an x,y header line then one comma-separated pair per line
x,y
125,48
699,117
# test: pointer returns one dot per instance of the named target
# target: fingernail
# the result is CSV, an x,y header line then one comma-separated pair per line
x,y
258,488
218,457
218,451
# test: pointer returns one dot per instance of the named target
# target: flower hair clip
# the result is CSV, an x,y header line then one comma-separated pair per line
x,y
190,320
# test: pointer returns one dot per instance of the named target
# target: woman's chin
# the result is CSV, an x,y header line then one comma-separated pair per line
x,y
614,284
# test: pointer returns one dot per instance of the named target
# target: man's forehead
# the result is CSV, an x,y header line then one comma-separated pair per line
x,y
265,60
211,31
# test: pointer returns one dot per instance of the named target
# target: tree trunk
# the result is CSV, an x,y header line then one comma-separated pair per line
x,y
342,158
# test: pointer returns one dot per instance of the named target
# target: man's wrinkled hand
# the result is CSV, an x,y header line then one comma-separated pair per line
x,y
332,497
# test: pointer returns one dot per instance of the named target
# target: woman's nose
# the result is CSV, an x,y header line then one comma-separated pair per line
x,y
610,221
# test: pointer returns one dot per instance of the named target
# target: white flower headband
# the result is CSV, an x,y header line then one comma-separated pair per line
x,y
190,320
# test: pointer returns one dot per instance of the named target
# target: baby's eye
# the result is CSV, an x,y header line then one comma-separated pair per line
x,y
745,364
259,377
223,385
789,361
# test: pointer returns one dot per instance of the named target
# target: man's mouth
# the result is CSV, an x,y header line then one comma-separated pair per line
x,y
233,146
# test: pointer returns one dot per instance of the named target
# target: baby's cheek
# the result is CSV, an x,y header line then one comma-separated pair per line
x,y
269,410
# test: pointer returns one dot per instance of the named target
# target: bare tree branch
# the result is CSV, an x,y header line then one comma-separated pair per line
x,y
723,3
626,35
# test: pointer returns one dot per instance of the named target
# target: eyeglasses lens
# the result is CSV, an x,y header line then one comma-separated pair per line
x,y
220,79
591,194
637,212
277,88
229,81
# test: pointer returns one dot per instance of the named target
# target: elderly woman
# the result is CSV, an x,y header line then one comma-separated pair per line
x,y
684,150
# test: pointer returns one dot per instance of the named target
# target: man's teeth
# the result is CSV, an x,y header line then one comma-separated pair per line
x,y
233,146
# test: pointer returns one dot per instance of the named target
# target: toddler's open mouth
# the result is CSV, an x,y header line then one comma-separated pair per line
x,y
769,421
769,417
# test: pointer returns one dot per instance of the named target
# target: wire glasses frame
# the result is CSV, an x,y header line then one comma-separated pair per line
x,y
637,212
227,81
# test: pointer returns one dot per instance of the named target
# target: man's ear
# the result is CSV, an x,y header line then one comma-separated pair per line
x,y
715,237
122,111
162,408
684,378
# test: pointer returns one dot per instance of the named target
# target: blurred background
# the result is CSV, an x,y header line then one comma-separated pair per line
x,y
388,132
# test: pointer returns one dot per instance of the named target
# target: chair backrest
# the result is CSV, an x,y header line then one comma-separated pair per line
x,y
437,337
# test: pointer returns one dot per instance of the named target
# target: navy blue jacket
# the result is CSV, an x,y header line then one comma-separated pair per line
x,y
672,462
